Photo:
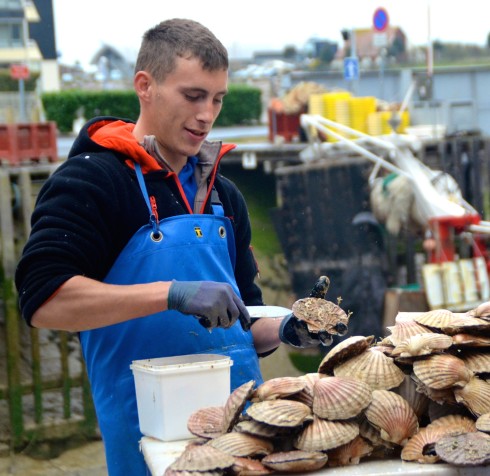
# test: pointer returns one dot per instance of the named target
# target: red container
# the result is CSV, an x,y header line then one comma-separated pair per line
x,y
286,126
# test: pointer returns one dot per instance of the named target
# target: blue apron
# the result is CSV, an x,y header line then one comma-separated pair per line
x,y
185,247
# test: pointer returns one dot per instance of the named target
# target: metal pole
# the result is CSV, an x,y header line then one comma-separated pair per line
x,y
22,101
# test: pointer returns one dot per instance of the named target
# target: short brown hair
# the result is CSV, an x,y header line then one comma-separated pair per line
x,y
179,37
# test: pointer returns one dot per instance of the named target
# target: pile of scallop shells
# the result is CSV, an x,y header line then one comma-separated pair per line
x,y
422,395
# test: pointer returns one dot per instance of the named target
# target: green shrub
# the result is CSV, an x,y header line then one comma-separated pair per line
x,y
242,105
7,84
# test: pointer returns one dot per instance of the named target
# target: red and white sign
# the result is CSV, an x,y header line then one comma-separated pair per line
x,y
19,71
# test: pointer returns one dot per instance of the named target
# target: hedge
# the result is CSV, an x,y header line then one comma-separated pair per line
x,y
242,105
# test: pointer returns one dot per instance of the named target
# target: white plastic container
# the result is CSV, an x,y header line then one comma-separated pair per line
x,y
170,389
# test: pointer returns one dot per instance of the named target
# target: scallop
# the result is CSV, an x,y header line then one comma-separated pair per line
x,y
322,435
470,340
477,362
206,422
475,396
483,423
351,453
417,400
260,429
455,423
242,444
279,387
202,458
373,368
235,404
436,319
295,461
442,371
306,394
340,398
249,467
468,449
284,413
343,351
422,344
467,324
393,415
420,447
404,330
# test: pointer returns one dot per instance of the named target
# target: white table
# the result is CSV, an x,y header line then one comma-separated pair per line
x,y
158,455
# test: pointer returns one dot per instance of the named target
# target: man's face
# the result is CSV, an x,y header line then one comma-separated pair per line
x,y
184,107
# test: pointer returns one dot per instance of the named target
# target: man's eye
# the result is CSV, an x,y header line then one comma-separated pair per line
x,y
192,98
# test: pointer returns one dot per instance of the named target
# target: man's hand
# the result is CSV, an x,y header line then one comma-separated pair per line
x,y
294,332
215,304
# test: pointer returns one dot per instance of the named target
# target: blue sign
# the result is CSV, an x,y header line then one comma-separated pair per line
x,y
351,68
380,19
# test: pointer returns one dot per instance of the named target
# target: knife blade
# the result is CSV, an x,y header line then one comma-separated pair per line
x,y
268,311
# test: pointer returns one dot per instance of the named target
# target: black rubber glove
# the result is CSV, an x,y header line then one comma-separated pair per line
x,y
294,332
214,304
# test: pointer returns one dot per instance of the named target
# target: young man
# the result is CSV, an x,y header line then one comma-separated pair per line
x,y
140,245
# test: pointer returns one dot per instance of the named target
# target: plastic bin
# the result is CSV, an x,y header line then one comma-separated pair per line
x,y
170,389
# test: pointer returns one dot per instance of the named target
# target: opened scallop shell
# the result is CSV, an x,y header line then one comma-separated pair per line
x,y
442,371
483,423
373,368
404,330
235,404
393,415
206,422
351,453
202,458
340,398
475,396
422,344
321,315
322,435
467,449
343,351
279,387
242,444
296,461
285,413
436,319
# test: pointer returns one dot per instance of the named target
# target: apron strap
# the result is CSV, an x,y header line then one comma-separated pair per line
x,y
144,191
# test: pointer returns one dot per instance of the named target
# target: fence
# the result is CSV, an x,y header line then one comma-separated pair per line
x,y
44,392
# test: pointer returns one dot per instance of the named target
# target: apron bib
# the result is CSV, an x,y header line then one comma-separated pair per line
x,y
185,247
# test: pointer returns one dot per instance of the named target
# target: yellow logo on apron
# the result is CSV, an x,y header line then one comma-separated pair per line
x,y
198,231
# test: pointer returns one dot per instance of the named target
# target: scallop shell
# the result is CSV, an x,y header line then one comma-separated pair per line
x,y
340,398
422,344
249,467
471,340
404,330
286,413
260,429
206,422
442,371
351,453
235,404
483,423
322,435
279,387
477,362
454,424
468,324
437,319
242,444
321,315
468,449
420,448
306,394
343,351
296,461
373,368
475,396
394,417
202,458
417,400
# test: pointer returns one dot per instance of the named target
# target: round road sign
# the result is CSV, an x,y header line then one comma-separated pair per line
x,y
380,19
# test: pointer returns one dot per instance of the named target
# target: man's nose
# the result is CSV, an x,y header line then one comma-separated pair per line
x,y
208,112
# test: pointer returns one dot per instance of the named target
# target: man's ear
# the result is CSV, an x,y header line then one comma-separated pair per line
x,y
142,85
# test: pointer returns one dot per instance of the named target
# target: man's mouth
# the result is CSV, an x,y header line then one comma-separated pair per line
x,y
197,133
